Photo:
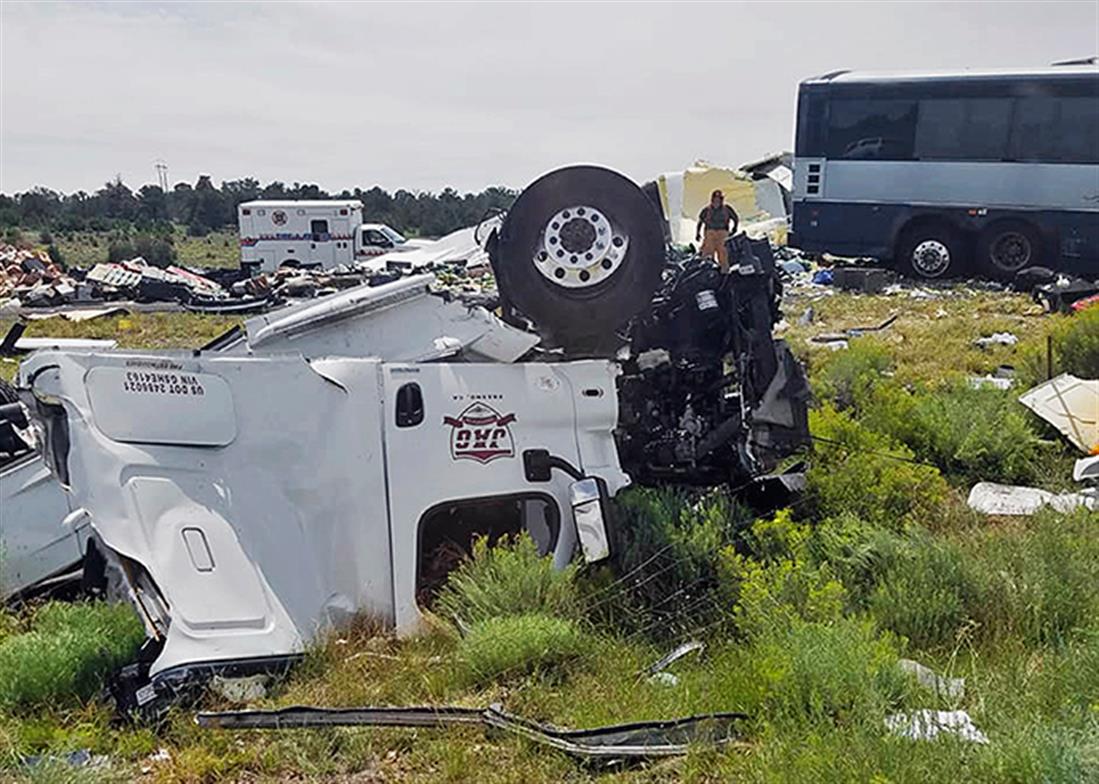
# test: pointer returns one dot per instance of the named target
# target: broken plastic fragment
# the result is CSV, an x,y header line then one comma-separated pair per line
x,y
951,688
1071,405
994,499
928,724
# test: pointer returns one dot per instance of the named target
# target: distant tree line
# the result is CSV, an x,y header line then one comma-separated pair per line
x,y
204,207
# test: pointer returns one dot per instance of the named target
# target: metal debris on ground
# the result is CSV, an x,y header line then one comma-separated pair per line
x,y
614,743
661,664
929,724
1014,501
834,339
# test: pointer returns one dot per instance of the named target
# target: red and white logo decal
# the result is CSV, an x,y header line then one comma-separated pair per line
x,y
480,433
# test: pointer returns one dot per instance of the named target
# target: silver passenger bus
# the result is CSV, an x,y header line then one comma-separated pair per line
x,y
947,174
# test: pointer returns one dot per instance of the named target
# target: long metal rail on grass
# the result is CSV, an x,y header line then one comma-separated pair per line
x,y
612,743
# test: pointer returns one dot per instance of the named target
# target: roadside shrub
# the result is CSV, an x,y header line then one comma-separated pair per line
x,y
669,577
508,579
781,585
863,473
842,672
843,376
857,553
1075,349
1043,578
155,250
65,655
520,644
928,592
973,434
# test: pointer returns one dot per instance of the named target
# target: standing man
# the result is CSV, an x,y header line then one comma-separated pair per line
x,y
716,217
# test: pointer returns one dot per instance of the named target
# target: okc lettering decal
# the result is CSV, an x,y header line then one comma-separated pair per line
x,y
480,433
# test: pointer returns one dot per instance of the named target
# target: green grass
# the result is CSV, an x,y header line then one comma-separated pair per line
x,y
804,613
88,248
135,330
64,653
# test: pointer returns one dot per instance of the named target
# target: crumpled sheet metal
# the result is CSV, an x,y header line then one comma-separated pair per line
x,y
613,743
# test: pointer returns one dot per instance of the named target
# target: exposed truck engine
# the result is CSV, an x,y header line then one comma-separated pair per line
x,y
324,460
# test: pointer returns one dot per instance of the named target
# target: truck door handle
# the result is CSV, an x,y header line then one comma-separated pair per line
x,y
410,405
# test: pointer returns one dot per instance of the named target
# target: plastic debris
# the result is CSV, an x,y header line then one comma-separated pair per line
x,y
1086,469
997,339
929,724
1014,501
1071,405
664,679
950,688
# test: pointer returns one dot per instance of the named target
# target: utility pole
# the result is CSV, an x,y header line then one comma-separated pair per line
x,y
162,175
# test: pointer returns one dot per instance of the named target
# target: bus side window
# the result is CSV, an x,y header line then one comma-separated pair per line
x,y
872,128
1056,129
963,129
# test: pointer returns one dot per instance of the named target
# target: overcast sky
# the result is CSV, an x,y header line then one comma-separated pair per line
x,y
422,96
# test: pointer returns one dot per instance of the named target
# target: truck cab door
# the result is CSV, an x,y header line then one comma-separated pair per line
x,y
455,436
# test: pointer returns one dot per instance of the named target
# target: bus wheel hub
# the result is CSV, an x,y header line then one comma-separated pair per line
x,y
931,257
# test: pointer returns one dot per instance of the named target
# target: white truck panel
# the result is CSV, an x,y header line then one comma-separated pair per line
x,y
35,544
313,510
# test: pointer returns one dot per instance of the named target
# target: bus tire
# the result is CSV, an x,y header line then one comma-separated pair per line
x,y
932,250
1007,247
290,264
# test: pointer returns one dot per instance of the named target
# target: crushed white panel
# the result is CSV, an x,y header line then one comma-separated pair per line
x,y
1086,469
1014,501
1071,405
402,321
929,724
950,688
459,247
72,344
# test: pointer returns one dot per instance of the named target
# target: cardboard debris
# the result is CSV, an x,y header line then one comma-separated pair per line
x,y
1071,405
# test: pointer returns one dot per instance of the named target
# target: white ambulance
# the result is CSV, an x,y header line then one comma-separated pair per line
x,y
311,234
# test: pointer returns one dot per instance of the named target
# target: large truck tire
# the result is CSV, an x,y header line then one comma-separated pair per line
x,y
579,254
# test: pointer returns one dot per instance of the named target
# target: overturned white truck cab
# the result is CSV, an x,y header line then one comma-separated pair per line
x,y
338,457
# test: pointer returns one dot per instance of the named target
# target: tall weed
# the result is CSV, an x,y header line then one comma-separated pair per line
x,y
508,579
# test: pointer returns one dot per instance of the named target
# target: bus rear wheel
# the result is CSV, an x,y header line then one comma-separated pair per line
x,y
931,251
1007,247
